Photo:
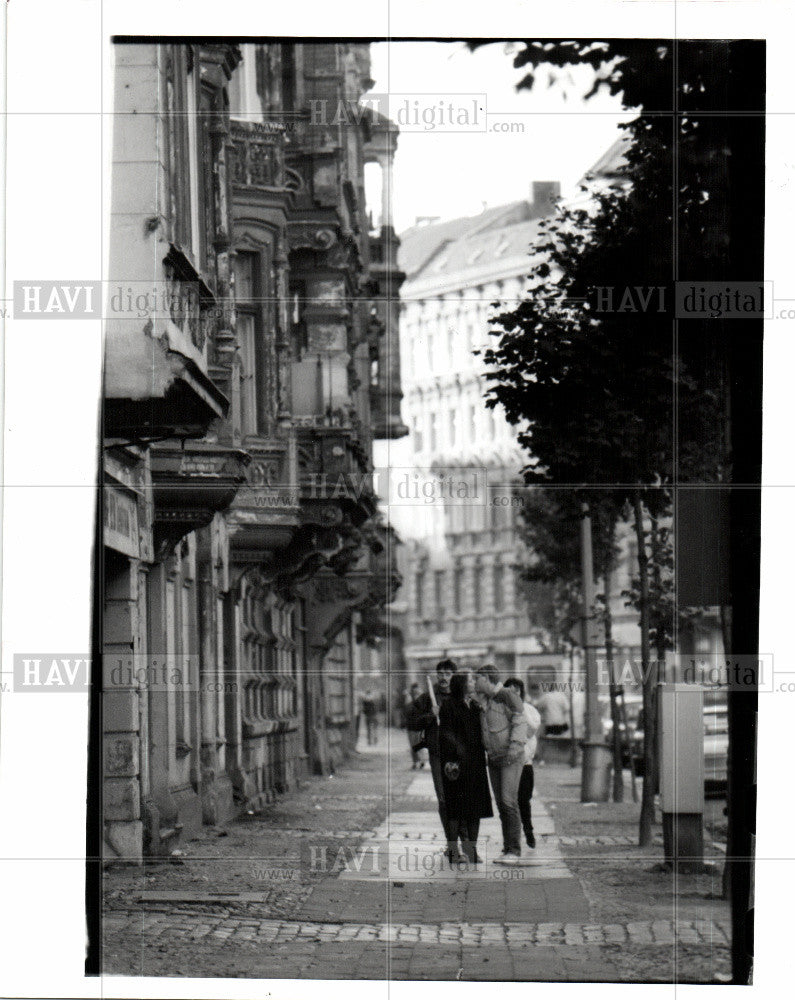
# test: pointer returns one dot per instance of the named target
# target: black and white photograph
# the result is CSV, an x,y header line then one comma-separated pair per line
x,y
408,436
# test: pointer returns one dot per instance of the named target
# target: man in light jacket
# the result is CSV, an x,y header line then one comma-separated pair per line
x,y
527,780
504,737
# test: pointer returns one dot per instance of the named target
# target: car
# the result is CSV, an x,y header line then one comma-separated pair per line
x,y
716,750
633,707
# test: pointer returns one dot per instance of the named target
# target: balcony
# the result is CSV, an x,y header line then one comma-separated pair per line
x,y
190,485
256,157
334,472
157,383
266,510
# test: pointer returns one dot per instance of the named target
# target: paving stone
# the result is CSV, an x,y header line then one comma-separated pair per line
x,y
439,925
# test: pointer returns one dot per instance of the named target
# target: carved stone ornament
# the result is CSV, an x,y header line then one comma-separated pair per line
x,y
308,236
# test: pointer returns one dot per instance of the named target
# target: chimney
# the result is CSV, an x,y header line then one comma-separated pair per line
x,y
545,194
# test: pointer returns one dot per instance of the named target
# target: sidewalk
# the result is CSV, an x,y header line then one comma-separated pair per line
x,y
345,879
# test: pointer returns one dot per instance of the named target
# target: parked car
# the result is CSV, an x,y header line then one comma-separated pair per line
x,y
716,750
633,702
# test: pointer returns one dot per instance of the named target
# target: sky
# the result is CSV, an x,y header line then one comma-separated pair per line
x,y
449,174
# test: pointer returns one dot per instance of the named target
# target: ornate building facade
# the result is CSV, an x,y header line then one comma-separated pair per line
x,y
244,554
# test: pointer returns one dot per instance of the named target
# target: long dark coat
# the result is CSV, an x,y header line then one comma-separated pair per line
x,y
461,740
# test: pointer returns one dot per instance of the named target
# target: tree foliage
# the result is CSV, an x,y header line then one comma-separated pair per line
x,y
623,397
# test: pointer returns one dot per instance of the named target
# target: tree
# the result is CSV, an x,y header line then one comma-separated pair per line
x,y
615,397
596,390
550,530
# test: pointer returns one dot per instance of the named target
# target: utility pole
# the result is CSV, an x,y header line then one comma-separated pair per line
x,y
595,752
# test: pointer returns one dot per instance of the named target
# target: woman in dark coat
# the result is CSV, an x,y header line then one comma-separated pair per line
x,y
463,759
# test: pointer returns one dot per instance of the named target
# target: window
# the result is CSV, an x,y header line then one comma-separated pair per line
x,y
499,587
434,432
247,316
248,372
438,594
196,243
453,424
473,424
451,344
416,434
458,579
182,123
244,275
430,351
419,592
244,101
476,594
289,77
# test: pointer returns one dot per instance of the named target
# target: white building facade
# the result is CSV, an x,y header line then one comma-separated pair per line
x,y
453,479
454,490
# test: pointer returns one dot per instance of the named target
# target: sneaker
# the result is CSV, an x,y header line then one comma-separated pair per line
x,y
508,858
531,840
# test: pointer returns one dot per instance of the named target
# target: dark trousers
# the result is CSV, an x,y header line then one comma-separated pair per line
x,y
415,738
526,784
466,830
438,787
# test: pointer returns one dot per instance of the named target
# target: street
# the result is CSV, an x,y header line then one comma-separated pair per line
x,y
345,879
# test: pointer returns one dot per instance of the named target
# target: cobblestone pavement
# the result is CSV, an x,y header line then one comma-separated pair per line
x,y
193,926
300,893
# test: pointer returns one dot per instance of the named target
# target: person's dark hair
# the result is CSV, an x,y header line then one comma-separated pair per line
x,y
447,665
458,686
490,671
518,683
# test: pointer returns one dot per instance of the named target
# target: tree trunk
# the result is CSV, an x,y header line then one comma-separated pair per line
x,y
660,642
618,764
649,683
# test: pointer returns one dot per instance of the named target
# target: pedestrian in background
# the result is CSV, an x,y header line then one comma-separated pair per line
x,y
369,710
554,709
504,737
428,717
466,785
527,780
414,727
